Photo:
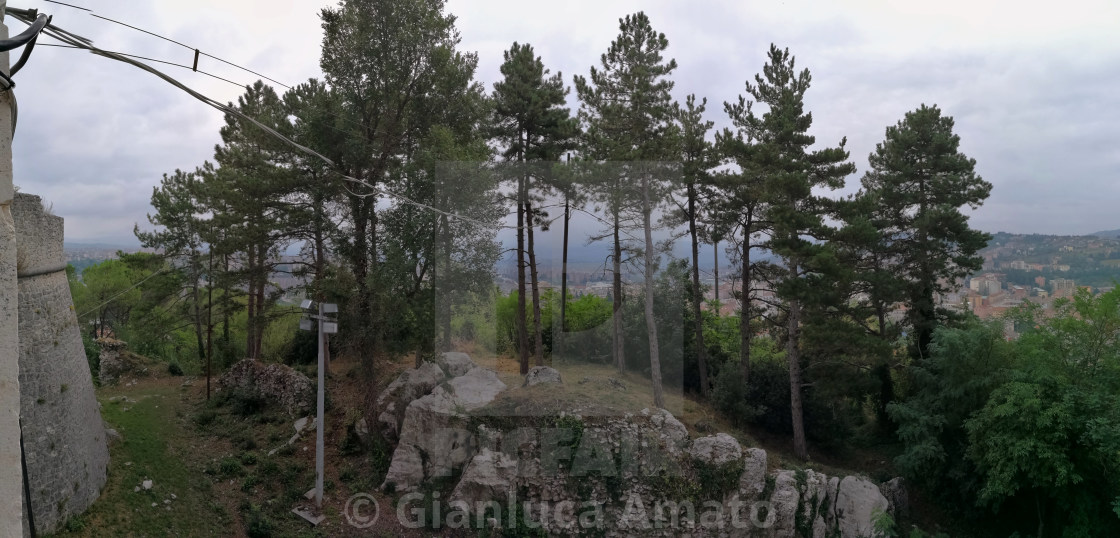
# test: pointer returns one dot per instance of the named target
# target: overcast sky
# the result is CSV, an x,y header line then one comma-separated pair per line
x,y
1033,87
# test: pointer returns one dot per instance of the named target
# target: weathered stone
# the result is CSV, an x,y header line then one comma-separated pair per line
x,y
716,449
857,501
753,480
673,434
542,374
455,363
895,492
408,386
488,476
432,433
64,437
271,382
784,503
110,363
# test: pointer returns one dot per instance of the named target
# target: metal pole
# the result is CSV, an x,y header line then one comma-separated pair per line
x,y
319,418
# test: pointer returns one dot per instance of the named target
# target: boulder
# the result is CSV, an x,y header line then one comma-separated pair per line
x,y
110,363
895,492
753,480
489,477
455,363
542,374
673,434
716,449
433,441
273,383
784,502
858,500
408,386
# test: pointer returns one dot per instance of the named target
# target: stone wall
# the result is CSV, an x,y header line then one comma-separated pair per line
x,y
63,435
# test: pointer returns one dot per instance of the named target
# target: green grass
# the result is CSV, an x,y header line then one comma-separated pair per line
x,y
148,422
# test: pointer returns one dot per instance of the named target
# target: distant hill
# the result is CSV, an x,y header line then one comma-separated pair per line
x,y
1108,233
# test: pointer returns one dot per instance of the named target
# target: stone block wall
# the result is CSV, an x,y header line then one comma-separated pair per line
x,y
63,435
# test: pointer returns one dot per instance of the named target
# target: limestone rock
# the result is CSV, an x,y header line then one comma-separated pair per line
x,y
271,382
673,434
895,492
857,500
753,480
408,386
489,476
542,374
110,364
433,441
716,449
784,503
455,363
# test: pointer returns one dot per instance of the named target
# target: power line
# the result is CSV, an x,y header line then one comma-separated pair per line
x,y
137,56
181,44
130,288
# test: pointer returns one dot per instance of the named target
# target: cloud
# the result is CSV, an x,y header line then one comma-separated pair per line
x,y
1032,90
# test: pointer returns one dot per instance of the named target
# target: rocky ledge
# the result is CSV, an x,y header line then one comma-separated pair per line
x,y
600,475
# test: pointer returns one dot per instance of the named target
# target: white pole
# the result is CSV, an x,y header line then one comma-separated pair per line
x,y
11,468
319,425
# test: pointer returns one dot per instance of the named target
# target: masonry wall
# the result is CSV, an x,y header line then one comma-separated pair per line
x,y
63,435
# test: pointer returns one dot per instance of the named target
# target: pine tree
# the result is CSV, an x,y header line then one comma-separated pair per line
x,y
920,181
778,151
628,113
698,158
532,124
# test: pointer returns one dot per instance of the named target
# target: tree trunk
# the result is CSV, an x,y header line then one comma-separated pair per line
x,y
715,271
701,351
564,274
745,334
209,316
616,313
651,322
443,303
250,318
522,331
538,339
196,269
793,356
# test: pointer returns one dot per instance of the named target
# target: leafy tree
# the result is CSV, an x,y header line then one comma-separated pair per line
x,y
532,124
392,66
918,182
965,365
628,111
1049,437
778,151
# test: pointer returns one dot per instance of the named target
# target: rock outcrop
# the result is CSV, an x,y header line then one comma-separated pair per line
x,y
542,374
433,440
271,382
455,363
409,386
604,475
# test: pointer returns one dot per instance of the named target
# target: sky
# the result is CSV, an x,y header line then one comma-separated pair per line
x,y
1032,87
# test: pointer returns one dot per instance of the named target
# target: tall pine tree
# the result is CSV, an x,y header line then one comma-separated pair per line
x,y
779,152
920,181
628,113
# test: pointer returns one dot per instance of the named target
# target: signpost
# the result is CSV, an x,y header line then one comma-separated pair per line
x,y
326,325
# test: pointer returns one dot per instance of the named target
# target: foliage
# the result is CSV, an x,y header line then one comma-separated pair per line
x,y
917,184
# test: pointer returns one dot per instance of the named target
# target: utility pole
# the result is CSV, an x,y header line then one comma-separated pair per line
x,y
11,463
326,326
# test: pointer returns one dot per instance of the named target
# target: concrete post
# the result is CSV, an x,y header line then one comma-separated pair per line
x,y
11,468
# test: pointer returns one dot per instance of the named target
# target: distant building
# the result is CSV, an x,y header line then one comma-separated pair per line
x,y
1060,286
